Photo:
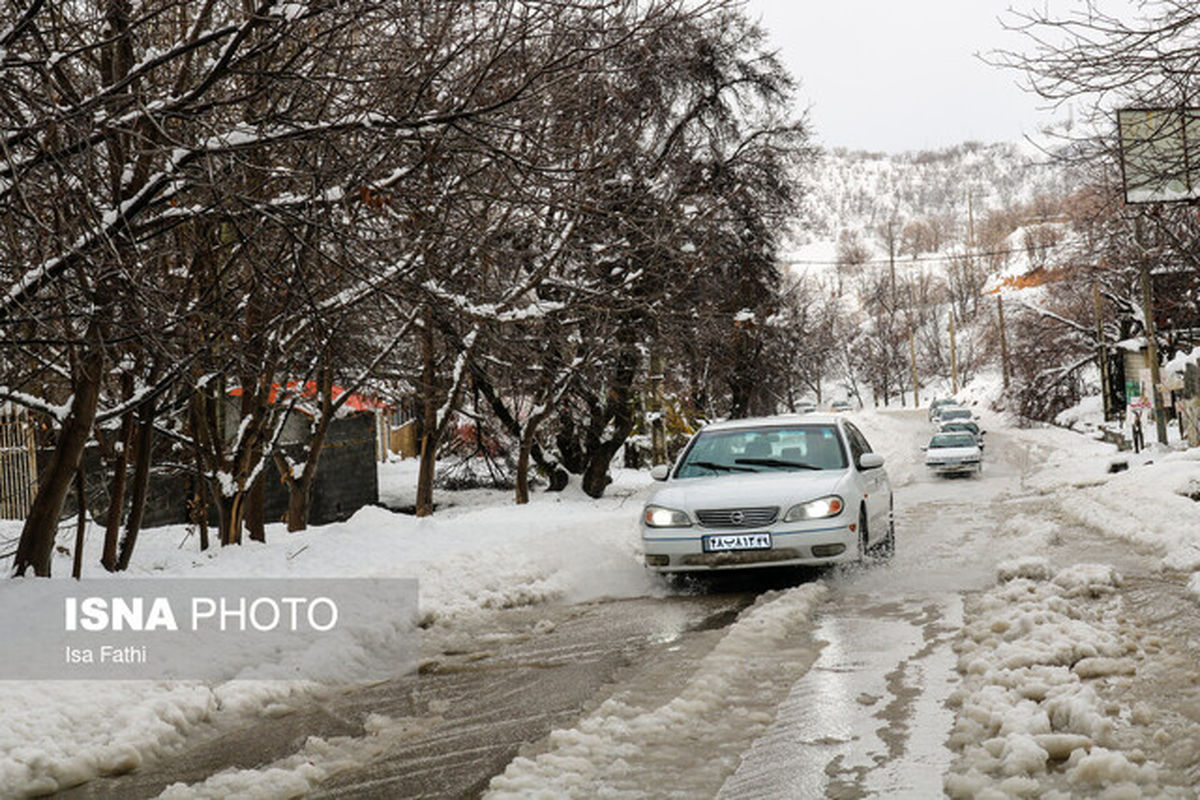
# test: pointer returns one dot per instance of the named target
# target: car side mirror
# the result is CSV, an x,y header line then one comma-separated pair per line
x,y
660,472
870,461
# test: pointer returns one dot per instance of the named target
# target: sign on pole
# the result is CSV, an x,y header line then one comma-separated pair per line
x,y
1160,154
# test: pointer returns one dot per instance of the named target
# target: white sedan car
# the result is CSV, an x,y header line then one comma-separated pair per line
x,y
954,453
774,491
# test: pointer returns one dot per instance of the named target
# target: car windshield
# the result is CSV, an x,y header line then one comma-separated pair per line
x,y
969,427
777,448
951,440
956,413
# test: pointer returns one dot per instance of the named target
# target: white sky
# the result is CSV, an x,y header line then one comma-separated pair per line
x,y
895,75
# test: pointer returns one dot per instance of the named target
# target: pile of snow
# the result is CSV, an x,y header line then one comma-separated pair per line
x,y
1177,365
1086,415
1033,653
696,739
304,771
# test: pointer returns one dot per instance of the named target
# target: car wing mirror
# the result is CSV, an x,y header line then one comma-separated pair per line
x,y
659,472
870,461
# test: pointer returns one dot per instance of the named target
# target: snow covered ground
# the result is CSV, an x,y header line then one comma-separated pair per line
x,y
1044,652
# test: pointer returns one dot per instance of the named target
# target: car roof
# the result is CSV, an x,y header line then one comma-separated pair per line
x,y
773,422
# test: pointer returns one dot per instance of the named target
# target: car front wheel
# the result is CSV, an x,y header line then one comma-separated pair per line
x,y
863,537
887,548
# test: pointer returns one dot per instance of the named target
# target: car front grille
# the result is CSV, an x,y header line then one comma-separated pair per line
x,y
737,517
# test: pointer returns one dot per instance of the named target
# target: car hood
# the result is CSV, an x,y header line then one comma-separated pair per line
x,y
750,490
951,452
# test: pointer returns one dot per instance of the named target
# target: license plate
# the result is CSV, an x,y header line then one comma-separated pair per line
x,y
736,541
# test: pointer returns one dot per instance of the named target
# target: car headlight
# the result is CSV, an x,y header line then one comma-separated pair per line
x,y
815,509
660,517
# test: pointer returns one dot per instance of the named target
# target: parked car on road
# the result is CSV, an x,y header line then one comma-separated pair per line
x,y
771,491
839,406
953,454
806,407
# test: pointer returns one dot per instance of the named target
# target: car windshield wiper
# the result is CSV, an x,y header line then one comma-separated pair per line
x,y
715,467
775,462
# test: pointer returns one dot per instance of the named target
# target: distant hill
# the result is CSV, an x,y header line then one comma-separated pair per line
x,y
854,193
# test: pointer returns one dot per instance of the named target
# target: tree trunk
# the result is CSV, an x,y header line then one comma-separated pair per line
x,y
116,505
255,500
299,501
199,503
232,510
429,422
36,548
595,477
528,437
141,485
425,470
116,496
81,523
300,488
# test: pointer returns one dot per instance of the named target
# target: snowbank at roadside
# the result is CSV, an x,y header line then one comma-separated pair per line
x,y
1151,502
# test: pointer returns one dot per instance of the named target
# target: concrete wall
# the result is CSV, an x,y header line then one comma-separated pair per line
x,y
347,480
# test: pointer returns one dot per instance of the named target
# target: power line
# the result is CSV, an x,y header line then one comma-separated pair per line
x,y
914,259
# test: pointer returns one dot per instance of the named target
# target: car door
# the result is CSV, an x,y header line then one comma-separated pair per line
x,y
875,484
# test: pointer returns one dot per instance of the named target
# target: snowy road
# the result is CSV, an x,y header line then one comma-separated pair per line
x,y
848,683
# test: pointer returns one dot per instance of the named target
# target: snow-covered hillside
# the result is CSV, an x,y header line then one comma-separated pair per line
x,y
859,191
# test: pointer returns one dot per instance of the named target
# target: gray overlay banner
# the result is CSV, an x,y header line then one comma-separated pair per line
x,y
319,629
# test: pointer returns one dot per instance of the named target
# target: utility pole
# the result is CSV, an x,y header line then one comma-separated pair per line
x,y
1105,389
912,354
1004,370
953,358
1160,419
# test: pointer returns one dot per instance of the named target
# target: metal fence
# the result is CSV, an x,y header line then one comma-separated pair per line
x,y
18,463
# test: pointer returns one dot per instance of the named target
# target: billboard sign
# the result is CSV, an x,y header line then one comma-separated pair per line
x,y
1160,154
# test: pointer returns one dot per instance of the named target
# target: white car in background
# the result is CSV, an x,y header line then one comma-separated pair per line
x,y
773,491
936,407
954,453
953,414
